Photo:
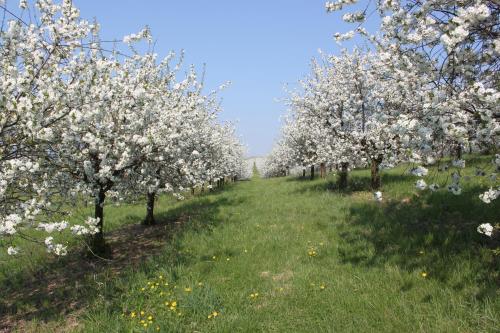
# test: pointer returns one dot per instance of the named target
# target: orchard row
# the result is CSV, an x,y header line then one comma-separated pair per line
x,y
82,119
426,87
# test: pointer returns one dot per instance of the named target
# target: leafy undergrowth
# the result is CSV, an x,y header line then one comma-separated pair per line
x,y
278,255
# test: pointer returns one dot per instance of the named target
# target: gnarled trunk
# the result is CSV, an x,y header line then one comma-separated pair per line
x,y
312,172
150,206
304,173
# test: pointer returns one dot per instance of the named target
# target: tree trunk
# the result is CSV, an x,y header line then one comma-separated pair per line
x,y
150,217
375,175
304,173
342,182
459,151
97,242
322,170
312,172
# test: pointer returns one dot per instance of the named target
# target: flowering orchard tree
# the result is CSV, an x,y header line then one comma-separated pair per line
x,y
345,112
37,64
448,51
77,121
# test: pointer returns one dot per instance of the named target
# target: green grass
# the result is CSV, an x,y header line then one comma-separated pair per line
x,y
257,237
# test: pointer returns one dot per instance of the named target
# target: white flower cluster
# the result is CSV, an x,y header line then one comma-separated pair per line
x,y
485,229
81,122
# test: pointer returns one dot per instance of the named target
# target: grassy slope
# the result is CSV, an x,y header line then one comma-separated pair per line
x,y
257,237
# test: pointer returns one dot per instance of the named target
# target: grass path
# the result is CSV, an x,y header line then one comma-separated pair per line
x,y
286,255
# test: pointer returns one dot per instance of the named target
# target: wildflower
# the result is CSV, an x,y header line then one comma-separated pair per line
x,y
213,315
423,274
254,295
132,315
485,229
377,196
200,284
188,290
322,286
150,318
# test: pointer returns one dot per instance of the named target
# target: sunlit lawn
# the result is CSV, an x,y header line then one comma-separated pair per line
x,y
278,255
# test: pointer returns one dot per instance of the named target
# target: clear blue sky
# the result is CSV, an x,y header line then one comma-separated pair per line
x,y
258,45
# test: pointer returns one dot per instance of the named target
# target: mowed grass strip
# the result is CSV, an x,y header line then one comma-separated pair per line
x,y
281,255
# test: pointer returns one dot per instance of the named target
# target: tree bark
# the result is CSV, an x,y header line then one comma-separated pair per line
x,y
150,206
304,173
97,242
312,172
322,170
459,151
342,182
375,174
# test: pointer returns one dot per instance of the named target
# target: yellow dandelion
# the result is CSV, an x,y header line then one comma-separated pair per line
x,y
157,328
423,274
200,284
132,315
188,290
167,303
214,257
160,277
145,325
142,321
142,289
322,287
150,318
142,313
227,259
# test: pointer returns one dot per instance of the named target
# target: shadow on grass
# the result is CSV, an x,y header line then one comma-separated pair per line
x,y
70,284
435,233
356,183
